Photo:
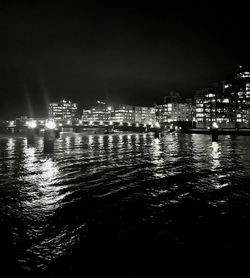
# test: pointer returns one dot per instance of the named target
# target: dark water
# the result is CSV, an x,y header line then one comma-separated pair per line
x,y
122,205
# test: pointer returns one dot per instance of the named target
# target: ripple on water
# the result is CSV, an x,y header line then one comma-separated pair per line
x,y
120,186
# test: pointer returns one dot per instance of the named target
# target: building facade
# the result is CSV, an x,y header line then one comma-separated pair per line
x,y
63,110
121,113
205,100
227,104
174,109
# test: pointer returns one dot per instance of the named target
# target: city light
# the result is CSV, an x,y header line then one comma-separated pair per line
x,y
11,123
157,125
215,125
101,123
31,124
50,124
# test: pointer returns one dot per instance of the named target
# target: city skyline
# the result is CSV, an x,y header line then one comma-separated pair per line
x,y
129,53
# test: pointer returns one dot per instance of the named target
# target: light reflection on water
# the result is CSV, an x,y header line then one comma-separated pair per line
x,y
58,197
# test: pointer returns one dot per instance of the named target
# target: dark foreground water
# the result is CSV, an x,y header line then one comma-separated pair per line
x,y
122,205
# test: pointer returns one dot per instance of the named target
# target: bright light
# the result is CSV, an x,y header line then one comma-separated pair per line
x,y
80,122
144,125
101,122
111,123
91,122
109,108
32,124
12,123
68,122
215,125
137,124
129,124
50,124
157,125
120,123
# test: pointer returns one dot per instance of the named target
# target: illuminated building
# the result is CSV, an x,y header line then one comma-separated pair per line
x,y
63,110
121,113
236,96
98,113
124,113
228,103
205,107
174,109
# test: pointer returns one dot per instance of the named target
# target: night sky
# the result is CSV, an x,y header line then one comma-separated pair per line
x,y
131,52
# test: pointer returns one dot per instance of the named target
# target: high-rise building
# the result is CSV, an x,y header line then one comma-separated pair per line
x,y
227,103
205,107
63,110
236,98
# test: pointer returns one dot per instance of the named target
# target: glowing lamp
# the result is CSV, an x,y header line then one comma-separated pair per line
x,y
12,123
32,124
50,125
215,125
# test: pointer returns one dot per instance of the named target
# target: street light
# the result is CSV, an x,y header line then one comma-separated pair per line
x,y
50,124
31,124
215,125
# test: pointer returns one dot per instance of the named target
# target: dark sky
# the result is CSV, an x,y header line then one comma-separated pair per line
x,y
131,52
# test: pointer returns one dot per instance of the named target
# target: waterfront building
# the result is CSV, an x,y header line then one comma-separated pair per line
x,y
236,95
227,103
145,115
174,109
205,107
120,113
124,113
63,110
98,113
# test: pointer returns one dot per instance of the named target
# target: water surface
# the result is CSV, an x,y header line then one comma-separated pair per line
x,y
62,211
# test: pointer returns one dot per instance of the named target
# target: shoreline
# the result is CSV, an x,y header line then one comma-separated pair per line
x,y
239,132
